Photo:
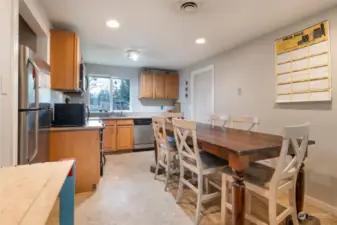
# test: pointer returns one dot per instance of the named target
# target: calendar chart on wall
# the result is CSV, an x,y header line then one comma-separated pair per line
x,y
303,65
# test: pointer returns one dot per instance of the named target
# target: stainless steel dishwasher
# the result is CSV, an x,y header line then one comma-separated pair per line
x,y
143,137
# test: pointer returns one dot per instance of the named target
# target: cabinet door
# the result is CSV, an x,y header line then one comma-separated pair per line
x,y
171,86
64,60
124,137
109,138
159,86
77,62
146,85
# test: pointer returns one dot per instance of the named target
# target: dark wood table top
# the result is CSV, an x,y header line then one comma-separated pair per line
x,y
237,141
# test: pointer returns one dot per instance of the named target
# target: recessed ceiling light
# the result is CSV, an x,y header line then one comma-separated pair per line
x,y
112,23
200,41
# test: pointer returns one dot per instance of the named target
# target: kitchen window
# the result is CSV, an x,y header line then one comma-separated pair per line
x,y
108,94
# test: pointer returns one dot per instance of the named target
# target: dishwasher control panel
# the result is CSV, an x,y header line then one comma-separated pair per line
x,y
142,122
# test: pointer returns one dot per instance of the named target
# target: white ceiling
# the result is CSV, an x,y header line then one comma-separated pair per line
x,y
165,36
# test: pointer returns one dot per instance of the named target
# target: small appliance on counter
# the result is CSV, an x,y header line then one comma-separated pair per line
x,y
70,115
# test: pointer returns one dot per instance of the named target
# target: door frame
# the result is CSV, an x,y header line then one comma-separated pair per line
x,y
195,73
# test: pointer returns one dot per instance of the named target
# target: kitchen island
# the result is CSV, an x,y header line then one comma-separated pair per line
x,y
82,144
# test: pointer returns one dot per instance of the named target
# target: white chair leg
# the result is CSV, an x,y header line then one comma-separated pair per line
x,y
168,170
157,169
199,198
248,202
272,211
224,197
292,203
181,185
206,185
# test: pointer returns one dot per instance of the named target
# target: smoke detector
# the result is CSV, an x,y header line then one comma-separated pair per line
x,y
188,6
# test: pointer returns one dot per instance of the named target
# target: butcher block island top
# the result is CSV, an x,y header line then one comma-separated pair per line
x,y
28,192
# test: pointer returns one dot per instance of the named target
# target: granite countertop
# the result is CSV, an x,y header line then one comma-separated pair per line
x,y
91,125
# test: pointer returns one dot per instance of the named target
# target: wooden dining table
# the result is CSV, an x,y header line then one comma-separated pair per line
x,y
240,148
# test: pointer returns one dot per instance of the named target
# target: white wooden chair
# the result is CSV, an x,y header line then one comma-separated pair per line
x,y
200,163
167,152
243,122
218,120
169,116
269,182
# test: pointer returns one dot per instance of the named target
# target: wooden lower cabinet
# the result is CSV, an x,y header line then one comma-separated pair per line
x,y
84,147
109,138
118,135
124,137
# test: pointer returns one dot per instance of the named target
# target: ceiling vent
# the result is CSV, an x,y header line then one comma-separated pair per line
x,y
189,6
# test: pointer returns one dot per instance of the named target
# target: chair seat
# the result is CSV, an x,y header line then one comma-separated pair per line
x,y
257,174
211,161
171,147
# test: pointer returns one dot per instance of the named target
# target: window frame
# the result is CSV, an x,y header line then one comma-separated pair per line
x,y
111,98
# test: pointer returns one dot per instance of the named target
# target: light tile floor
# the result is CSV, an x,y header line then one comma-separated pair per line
x,y
128,195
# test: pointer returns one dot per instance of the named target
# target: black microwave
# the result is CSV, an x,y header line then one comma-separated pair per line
x,y
70,115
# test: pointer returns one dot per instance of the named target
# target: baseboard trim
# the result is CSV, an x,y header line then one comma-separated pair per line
x,y
321,205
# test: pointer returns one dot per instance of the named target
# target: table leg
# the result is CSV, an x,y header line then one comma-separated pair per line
x,y
238,198
300,187
67,199
238,165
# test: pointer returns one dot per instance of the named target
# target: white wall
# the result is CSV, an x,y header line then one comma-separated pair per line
x,y
251,67
8,80
35,17
137,105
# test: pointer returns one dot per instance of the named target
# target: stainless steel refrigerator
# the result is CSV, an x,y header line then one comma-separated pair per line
x,y
34,114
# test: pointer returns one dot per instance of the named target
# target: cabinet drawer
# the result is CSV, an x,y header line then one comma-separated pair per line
x,y
124,122
109,122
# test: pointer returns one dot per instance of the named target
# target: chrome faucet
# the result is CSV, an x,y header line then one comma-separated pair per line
x,y
121,113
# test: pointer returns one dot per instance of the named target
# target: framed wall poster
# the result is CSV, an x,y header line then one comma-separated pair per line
x,y
302,64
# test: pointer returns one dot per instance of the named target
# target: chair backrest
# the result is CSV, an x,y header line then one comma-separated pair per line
x,y
184,129
244,122
169,116
292,135
159,131
218,120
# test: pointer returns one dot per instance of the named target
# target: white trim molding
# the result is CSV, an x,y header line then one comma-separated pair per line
x,y
193,74
321,205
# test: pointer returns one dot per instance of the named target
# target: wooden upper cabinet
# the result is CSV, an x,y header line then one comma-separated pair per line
x,y
146,85
171,86
64,60
159,86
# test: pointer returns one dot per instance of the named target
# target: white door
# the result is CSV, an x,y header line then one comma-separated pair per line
x,y
202,96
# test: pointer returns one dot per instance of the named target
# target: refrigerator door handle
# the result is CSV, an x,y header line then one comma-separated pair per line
x,y
36,138
35,109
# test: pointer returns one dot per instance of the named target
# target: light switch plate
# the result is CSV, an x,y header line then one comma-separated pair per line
x,y
4,83
239,91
